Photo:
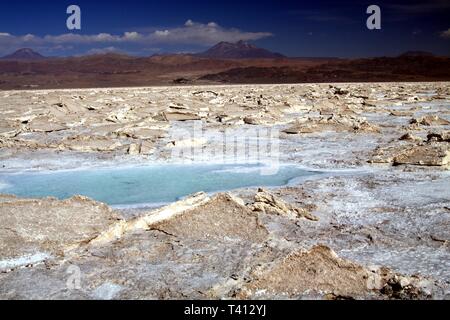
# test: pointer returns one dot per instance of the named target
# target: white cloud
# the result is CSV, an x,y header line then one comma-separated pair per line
x,y
446,34
160,33
84,39
29,37
131,35
191,33
195,33
104,50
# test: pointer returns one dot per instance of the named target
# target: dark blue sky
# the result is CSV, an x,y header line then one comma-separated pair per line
x,y
294,28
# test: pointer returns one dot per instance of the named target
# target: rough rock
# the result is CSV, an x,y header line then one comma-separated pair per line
x,y
8,131
399,113
221,217
430,120
141,133
48,225
270,204
90,144
409,136
320,271
147,147
134,149
180,116
411,150
443,136
333,123
430,154
148,219
45,124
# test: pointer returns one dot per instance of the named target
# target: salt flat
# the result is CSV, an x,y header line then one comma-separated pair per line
x,y
377,226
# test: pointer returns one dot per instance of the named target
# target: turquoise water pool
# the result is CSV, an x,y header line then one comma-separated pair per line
x,y
146,185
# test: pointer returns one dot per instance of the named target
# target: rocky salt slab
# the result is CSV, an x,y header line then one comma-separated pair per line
x,y
33,228
376,226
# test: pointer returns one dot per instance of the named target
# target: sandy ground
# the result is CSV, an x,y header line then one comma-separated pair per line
x,y
376,225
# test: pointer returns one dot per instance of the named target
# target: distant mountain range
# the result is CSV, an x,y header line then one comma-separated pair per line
x,y
222,50
238,50
24,54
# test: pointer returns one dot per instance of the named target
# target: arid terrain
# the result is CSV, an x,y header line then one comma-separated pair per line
x,y
237,63
114,70
375,224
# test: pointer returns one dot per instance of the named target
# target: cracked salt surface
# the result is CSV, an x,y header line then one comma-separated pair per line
x,y
107,291
403,213
395,217
23,261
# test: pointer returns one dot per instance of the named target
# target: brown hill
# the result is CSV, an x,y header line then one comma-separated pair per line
x,y
403,68
238,50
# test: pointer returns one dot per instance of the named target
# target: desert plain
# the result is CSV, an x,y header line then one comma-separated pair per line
x,y
374,225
